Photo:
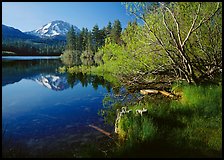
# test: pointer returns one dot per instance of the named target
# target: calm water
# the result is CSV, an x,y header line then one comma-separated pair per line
x,y
28,57
46,113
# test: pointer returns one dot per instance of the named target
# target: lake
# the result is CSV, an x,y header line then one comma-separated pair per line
x,y
47,114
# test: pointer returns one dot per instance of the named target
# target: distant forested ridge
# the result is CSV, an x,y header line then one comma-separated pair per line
x,y
15,42
20,47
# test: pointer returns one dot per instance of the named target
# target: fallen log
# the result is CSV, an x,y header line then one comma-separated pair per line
x,y
152,91
148,91
101,130
166,94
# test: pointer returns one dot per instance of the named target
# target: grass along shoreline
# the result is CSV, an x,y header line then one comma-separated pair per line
x,y
193,123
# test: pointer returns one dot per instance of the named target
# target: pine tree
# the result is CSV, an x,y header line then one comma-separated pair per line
x,y
95,37
103,35
108,29
116,32
71,40
84,38
71,55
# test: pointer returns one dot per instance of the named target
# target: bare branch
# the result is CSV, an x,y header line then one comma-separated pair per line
x,y
170,32
192,26
204,20
175,20
185,58
202,48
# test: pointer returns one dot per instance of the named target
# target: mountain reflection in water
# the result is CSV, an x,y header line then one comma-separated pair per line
x,y
53,82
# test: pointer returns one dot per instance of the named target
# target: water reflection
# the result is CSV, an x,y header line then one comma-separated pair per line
x,y
16,70
44,72
49,112
53,82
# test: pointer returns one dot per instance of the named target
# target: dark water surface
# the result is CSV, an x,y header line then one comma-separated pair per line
x,y
45,113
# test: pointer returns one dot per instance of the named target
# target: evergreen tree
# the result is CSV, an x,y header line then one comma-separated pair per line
x,y
102,36
89,44
79,42
95,37
116,32
84,38
71,40
108,29
71,55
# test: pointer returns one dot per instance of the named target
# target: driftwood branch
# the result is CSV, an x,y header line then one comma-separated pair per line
x,y
101,130
148,91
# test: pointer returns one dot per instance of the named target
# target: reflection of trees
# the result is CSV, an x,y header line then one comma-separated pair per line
x,y
86,79
83,79
71,79
96,81
14,70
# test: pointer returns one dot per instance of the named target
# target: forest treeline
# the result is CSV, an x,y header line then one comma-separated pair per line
x,y
82,48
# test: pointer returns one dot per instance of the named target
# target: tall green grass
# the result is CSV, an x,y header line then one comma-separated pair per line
x,y
136,128
194,122
206,100
204,125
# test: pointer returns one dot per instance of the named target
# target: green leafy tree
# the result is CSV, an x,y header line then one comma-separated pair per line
x,y
71,58
184,34
87,54
98,57
87,61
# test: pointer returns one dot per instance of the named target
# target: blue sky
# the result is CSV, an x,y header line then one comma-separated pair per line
x,y
27,16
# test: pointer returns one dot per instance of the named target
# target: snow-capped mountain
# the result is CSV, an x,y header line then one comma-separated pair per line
x,y
54,29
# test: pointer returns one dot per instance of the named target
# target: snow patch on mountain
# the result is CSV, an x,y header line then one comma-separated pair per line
x,y
54,28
